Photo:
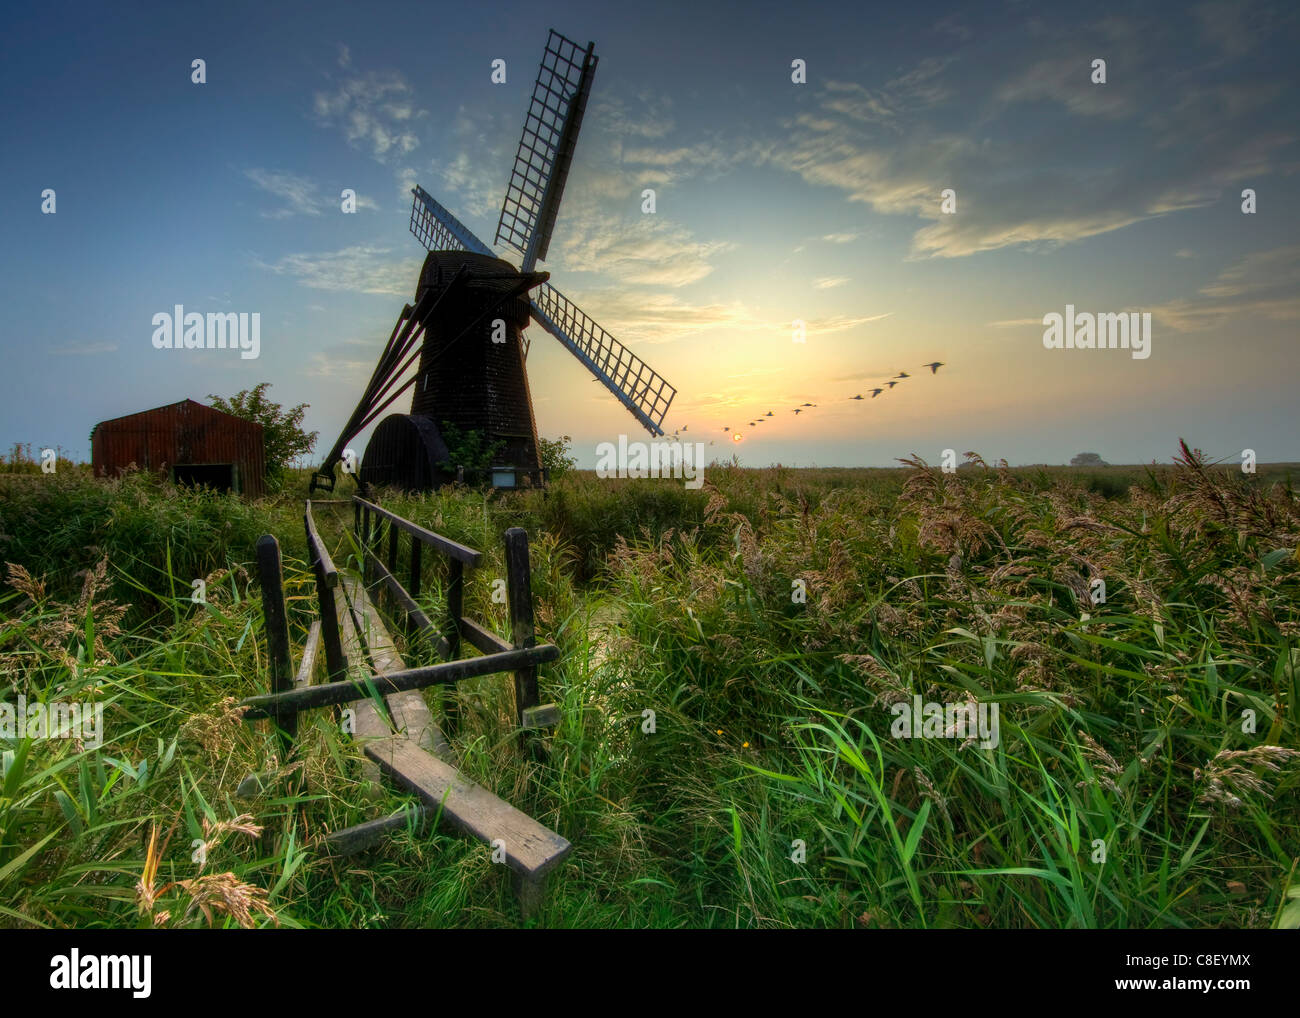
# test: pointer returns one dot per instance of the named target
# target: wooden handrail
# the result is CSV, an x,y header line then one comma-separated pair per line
x,y
316,547
413,611
445,545
288,703
327,578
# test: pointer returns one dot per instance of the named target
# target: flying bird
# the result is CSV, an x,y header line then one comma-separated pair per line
x,y
686,427
934,366
859,396
891,384
902,374
728,428
770,414
876,392
798,410
809,404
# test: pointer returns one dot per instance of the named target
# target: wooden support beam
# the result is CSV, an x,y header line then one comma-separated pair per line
x,y
351,840
483,639
276,623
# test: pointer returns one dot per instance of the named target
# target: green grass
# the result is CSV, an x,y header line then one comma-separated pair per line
x,y
770,792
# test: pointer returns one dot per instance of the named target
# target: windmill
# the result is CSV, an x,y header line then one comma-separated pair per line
x,y
471,306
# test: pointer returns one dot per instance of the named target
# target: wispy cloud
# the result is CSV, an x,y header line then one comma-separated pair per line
x,y
357,269
647,251
1265,284
1014,323
650,318
827,282
472,184
299,193
953,25
373,111
647,115
955,123
835,323
325,364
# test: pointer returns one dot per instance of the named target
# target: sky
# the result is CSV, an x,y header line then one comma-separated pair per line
x,y
820,201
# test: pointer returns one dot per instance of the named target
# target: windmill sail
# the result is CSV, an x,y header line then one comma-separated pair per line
x,y
645,393
438,230
546,147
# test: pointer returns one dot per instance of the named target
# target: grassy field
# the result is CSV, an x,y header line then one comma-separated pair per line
x,y
1145,772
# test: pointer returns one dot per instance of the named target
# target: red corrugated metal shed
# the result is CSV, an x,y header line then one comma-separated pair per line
x,y
187,441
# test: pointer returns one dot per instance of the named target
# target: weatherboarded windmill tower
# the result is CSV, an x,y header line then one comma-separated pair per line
x,y
465,327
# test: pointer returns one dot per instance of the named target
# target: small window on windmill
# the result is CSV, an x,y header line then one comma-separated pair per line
x,y
503,477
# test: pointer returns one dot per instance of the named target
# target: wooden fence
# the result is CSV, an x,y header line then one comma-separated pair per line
x,y
407,747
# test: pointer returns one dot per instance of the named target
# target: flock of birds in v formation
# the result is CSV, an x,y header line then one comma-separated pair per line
x,y
934,367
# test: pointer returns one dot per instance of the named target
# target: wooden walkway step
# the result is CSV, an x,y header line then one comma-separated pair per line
x,y
529,848
409,711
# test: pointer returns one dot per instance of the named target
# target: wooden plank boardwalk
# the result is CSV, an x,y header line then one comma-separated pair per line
x,y
398,735
413,755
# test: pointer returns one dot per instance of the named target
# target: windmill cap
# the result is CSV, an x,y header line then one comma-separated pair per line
x,y
488,277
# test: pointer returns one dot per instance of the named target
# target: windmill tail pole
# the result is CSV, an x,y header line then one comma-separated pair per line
x,y
406,333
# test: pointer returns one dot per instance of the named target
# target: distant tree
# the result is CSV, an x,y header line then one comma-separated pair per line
x,y
1088,459
555,456
283,439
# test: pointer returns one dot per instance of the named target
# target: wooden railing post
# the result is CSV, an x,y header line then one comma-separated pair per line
x,y
336,663
451,633
365,548
392,561
414,588
455,605
276,623
520,600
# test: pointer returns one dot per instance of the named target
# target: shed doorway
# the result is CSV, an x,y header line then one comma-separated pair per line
x,y
217,476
